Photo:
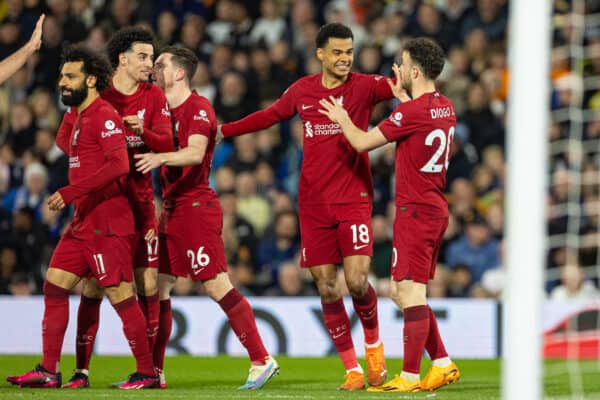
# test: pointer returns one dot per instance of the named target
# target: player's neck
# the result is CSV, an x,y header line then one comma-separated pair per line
x,y
176,96
92,95
124,83
330,81
420,88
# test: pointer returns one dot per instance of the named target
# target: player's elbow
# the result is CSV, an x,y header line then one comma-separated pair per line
x,y
360,147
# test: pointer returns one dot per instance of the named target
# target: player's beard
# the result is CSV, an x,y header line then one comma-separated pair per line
x,y
76,97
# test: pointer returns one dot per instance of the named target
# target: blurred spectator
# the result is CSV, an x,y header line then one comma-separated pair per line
x,y
21,285
251,206
202,84
232,102
31,194
270,27
460,281
280,243
490,16
290,283
574,285
430,22
55,161
245,240
476,249
485,129
438,286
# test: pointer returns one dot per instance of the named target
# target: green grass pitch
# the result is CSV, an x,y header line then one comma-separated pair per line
x,y
300,378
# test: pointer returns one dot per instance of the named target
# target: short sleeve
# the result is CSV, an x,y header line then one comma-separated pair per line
x,y
380,89
200,123
400,123
285,106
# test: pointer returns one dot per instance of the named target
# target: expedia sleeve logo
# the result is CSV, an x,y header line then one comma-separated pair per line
x,y
396,118
111,129
202,116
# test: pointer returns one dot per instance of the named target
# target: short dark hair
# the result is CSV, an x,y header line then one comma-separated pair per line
x,y
335,30
427,54
93,64
184,58
123,41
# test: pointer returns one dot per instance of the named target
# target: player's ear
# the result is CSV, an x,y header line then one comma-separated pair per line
x,y
122,59
320,54
90,81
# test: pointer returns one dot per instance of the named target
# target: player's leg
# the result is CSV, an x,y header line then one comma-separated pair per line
x,y
145,263
364,299
88,319
241,319
66,269
321,253
115,274
169,263
338,324
443,371
165,325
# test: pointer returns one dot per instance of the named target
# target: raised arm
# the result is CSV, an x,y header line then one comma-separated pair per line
x,y
12,63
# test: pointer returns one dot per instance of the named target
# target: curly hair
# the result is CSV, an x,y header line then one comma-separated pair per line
x,y
93,64
124,39
335,30
427,54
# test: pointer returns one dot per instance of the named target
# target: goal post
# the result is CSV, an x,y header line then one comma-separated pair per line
x,y
527,141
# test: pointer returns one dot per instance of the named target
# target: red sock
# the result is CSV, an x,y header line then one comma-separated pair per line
x,y
150,307
416,330
165,324
241,319
434,345
134,326
88,317
338,325
366,308
54,324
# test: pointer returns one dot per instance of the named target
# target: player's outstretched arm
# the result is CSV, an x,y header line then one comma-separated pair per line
x,y
360,140
16,60
193,154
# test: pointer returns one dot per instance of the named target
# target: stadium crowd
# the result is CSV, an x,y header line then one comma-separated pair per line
x,y
250,52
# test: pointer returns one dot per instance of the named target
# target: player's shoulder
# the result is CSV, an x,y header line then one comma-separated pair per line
x,y
199,106
364,80
308,82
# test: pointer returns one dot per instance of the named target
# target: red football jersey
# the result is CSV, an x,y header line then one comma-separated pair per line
x,y
97,151
150,105
193,116
423,130
332,171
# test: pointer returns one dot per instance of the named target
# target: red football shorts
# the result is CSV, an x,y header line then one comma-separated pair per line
x,y
417,241
106,258
190,242
331,232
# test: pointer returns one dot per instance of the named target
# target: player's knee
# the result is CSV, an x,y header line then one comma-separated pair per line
x,y
92,290
358,286
328,290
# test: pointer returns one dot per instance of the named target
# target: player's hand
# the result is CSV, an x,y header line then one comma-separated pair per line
x,y
35,42
333,110
219,138
397,89
147,162
134,123
150,235
56,202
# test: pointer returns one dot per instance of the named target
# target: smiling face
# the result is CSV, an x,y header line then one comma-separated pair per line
x,y
337,57
72,84
138,61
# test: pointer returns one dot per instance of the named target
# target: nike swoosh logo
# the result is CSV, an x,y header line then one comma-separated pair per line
x,y
337,336
102,277
152,259
305,107
360,247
